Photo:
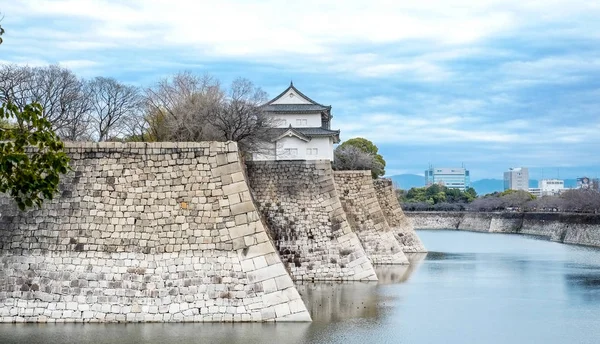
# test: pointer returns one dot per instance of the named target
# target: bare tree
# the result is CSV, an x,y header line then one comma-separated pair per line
x,y
62,95
545,203
78,121
16,84
58,90
240,118
581,200
353,158
491,203
112,104
177,108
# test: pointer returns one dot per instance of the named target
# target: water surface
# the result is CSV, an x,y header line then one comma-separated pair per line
x,y
471,288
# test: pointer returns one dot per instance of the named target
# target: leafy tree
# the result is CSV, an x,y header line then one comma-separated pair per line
x,y
378,166
31,155
1,33
436,197
471,194
352,158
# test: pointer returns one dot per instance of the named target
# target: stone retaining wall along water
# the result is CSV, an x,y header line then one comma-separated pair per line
x,y
356,191
307,222
142,232
579,229
400,224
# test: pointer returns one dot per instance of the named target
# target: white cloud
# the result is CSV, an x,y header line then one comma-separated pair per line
x,y
431,73
334,37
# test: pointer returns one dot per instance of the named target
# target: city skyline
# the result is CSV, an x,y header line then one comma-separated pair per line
x,y
538,173
488,84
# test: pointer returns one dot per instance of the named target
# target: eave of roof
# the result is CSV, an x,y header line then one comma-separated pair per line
x,y
298,92
296,108
308,133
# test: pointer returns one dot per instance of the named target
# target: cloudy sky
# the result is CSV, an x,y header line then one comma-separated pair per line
x,y
491,84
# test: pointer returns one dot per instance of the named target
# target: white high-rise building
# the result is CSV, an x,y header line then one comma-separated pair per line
x,y
516,178
551,187
450,177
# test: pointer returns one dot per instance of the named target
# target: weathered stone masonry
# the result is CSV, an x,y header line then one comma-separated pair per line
x,y
356,191
568,228
307,222
401,225
144,232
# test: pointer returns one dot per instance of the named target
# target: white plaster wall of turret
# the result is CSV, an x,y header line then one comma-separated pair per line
x,y
304,120
287,145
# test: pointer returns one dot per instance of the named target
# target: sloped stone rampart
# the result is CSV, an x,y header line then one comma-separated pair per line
x,y
400,224
306,220
160,232
357,194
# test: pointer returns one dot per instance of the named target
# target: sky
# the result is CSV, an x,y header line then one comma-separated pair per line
x,y
488,84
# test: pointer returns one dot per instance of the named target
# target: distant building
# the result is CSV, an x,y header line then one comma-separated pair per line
x,y
450,177
516,178
588,183
551,187
537,192
303,128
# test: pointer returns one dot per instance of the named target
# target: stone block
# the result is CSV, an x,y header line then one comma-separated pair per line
x,y
235,188
145,232
242,208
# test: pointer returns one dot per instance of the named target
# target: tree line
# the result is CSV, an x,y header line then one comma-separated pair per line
x,y
575,200
181,107
435,197
440,198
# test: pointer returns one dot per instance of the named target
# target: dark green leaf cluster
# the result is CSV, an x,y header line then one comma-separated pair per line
x,y
366,146
436,194
31,155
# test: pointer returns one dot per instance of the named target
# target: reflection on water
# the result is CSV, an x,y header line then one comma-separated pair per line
x,y
338,301
334,302
388,274
470,288
250,333
450,256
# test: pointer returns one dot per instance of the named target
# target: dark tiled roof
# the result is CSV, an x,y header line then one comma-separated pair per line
x,y
297,92
309,132
295,108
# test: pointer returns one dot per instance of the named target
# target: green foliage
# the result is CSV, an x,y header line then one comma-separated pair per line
x,y
436,194
31,155
368,147
362,144
522,193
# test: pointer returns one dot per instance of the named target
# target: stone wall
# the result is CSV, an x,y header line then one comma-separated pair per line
x,y
309,227
357,193
579,229
144,232
434,220
401,225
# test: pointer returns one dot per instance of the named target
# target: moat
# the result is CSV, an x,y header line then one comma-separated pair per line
x,y
470,288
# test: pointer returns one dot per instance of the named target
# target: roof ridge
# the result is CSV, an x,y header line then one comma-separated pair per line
x,y
299,93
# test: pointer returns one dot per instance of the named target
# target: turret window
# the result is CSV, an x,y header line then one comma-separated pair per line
x,y
290,151
300,122
312,151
